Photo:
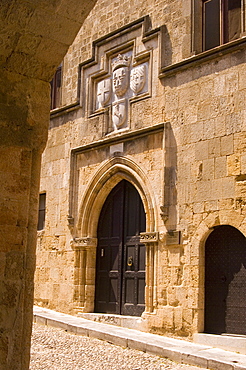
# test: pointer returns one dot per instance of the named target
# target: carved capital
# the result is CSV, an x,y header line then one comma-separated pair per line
x,y
149,237
78,243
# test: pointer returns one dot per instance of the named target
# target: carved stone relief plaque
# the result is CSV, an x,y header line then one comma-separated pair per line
x,y
119,113
138,78
126,81
120,73
103,92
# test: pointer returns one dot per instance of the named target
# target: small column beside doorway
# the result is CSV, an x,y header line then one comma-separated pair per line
x,y
84,273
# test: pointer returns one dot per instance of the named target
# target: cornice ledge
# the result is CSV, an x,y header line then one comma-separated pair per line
x,y
202,57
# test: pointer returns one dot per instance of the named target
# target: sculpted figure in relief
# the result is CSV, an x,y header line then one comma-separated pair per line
x,y
120,75
138,78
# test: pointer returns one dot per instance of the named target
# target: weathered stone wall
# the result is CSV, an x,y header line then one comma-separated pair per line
x,y
34,38
197,177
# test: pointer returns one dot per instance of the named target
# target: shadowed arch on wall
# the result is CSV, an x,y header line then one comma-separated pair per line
x,y
196,249
106,178
225,281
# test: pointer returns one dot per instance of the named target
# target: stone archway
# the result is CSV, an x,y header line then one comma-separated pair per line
x,y
107,177
34,39
225,281
198,241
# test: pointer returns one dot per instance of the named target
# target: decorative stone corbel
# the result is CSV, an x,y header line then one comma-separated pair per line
x,y
164,213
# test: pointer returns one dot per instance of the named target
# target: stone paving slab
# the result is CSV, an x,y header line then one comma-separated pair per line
x,y
175,349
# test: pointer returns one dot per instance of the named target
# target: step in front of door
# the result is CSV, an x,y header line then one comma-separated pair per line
x,y
130,322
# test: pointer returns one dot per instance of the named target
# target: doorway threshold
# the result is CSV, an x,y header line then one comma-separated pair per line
x,y
130,322
228,342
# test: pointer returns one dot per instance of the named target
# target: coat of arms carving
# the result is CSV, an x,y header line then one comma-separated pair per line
x,y
103,92
138,78
124,83
123,69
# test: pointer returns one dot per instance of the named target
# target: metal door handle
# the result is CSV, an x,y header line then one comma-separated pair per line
x,y
130,261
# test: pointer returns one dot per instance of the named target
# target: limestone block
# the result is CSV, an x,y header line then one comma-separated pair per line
x,y
228,187
216,188
208,169
194,276
178,318
197,219
219,85
196,132
204,110
174,256
211,205
220,169
195,298
240,141
231,81
209,129
181,295
220,126
212,220
190,115
187,316
189,93
233,164
166,316
171,296
231,217
186,134
204,191
226,203
201,150
214,148
226,145
233,123
198,207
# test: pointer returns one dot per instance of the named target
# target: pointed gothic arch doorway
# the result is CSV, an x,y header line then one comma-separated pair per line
x,y
225,281
120,265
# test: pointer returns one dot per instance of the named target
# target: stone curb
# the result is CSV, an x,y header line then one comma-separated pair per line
x,y
174,349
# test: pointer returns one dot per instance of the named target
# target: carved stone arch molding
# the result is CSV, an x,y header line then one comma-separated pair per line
x,y
104,180
196,247
101,184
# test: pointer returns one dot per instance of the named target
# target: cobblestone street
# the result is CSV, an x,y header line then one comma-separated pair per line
x,y
57,349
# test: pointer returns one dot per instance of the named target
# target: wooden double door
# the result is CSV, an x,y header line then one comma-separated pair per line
x,y
120,264
225,281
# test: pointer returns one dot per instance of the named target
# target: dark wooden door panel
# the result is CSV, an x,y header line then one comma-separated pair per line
x,y
120,278
225,281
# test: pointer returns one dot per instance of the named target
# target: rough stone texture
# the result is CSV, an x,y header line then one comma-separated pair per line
x,y
59,350
190,174
34,38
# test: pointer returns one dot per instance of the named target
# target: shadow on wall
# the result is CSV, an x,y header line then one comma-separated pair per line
x,y
169,208
166,49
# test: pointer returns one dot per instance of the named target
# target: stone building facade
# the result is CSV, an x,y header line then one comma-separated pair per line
x,y
144,173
